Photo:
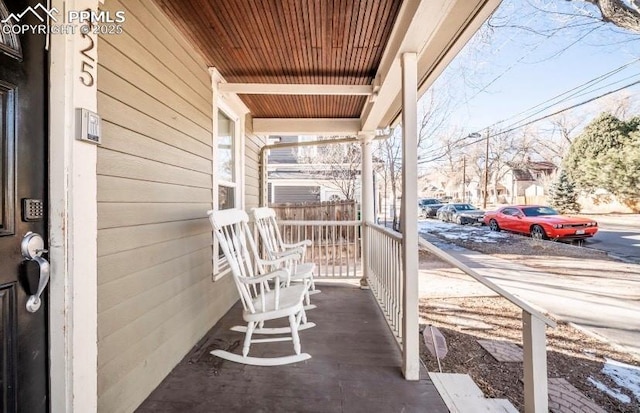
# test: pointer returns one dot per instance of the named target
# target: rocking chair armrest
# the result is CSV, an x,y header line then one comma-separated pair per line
x,y
265,277
303,243
289,252
282,260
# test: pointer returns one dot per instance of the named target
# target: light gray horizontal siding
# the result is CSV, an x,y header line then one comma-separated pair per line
x,y
293,194
156,297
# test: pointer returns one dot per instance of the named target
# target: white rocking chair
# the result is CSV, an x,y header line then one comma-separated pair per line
x,y
260,302
265,221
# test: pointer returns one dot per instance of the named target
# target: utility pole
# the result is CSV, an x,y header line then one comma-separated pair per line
x,y
486,173
464,179
474,135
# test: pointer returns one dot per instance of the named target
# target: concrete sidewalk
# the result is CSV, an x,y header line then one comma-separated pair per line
x,y
605,301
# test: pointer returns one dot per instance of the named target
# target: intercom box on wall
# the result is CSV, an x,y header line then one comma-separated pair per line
x,y
88,126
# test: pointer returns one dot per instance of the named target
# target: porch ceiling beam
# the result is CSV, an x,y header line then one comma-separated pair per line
x,y
295,89
306,126
436,31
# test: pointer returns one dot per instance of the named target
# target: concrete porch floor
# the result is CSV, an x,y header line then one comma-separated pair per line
x,y
355,367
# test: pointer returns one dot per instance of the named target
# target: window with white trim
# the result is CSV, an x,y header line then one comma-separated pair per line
x,y
228,187
227,163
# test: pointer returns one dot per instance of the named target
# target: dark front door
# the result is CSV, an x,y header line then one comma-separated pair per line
x,y
24,367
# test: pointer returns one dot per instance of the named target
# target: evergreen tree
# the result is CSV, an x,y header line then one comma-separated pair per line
x,y
622,170
606,156
604,133
563,195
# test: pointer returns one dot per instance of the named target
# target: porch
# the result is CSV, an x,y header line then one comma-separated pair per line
x,y
187,95
355,367
359,345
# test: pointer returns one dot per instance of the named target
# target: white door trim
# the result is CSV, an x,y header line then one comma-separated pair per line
x,y
72,220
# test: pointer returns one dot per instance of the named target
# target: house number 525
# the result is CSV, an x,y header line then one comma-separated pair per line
x,y
87,61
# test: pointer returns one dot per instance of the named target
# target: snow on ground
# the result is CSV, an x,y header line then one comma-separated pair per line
x,y
615,393
624,375
473,233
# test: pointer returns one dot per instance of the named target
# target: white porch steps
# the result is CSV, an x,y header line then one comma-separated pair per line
x,y
461,395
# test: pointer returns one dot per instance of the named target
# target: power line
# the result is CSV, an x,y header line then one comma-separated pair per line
x,y
566,109
580,90
511,66
583,86
519,60
511,129
607,85
574,95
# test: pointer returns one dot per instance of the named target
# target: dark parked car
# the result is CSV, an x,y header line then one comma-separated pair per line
x,y
429,206
461,214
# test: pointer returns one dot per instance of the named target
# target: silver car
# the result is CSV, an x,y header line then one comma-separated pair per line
x,y
461,214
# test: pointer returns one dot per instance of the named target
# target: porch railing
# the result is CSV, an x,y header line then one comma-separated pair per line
x,y
336,252
385,274
335,245
385,278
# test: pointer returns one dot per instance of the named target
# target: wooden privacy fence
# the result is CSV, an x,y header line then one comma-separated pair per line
x,y
317,211
333,228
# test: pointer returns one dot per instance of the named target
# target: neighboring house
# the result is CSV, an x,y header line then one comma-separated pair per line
x,y
291,179
473,189
524,182
443,186
434,185
187,93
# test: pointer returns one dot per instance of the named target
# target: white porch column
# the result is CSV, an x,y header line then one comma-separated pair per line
x,y
367,203
536,391
409,217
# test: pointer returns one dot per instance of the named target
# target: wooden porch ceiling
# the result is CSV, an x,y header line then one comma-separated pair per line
x,y
339,42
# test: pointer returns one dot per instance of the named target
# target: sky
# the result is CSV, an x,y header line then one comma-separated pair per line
x,y
506,69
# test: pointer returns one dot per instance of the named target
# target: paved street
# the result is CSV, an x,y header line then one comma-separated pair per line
x,y
601,297
618,235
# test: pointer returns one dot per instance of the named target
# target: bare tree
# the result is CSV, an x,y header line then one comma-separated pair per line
x,y
624,14
506,151
623,105
566,124
566,23
390,154
550,140
436,150
502,151
337,164
434,110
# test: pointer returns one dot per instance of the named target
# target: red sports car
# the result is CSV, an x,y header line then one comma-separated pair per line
x,y
542,222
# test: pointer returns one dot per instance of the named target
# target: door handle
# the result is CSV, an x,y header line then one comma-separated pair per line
x,y
32,250
34,302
